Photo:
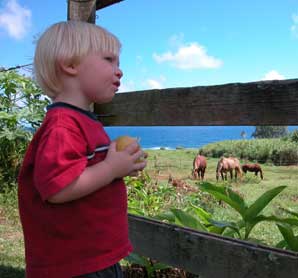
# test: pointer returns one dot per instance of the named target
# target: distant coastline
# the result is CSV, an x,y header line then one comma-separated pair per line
x,y
189,137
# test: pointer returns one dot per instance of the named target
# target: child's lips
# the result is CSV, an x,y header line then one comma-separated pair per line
x,y
117,84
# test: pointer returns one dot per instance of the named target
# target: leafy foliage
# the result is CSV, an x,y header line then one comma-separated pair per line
x,y
270,131
22,108
278,151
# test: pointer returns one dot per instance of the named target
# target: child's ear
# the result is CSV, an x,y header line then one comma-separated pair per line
x,y
67,68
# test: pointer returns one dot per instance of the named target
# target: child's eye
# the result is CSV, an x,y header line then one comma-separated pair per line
x,y
109,59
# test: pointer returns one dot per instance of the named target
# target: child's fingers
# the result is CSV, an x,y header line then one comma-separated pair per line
x,y
133,147
139,166
139,155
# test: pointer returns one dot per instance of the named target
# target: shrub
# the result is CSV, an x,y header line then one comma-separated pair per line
x,y
22,108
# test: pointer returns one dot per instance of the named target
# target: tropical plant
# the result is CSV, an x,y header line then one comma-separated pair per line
x,y
199,219
290,240
251,215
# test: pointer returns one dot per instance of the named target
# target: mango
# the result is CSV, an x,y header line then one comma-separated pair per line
x,y
123,141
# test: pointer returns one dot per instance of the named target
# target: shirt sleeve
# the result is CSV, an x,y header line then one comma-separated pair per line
x,y
60,159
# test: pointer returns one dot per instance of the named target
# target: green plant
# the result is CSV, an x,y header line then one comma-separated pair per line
x,y
294,136
145,197
250,214
22,108
148,264
270,131
290,241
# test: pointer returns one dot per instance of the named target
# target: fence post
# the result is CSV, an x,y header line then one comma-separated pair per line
x,y
84,10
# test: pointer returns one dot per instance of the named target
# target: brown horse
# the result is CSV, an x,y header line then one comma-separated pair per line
x,y
255,167
228,164
199,167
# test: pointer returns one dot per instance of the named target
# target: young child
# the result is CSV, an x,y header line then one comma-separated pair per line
x,y
72,198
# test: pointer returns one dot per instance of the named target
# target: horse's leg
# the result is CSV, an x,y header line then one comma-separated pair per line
x,y
231,174
195,174
261,174
203,173
199,173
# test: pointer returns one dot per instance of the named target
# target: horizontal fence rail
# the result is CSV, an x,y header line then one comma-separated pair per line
x,y
254,103
209,255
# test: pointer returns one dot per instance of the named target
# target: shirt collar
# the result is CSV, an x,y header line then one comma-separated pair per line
x,y
70,106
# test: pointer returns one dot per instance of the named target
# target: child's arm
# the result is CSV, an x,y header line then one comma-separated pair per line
x,y
115,165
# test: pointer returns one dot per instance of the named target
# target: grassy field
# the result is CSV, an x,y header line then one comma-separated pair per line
x,y
178,164
162,164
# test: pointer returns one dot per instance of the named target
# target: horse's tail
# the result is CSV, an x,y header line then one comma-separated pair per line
x,y
239,171
218,169
194,167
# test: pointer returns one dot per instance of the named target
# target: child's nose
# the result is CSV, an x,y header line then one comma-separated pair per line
x,y
119,73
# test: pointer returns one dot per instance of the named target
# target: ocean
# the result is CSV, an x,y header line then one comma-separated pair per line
x,y
194,137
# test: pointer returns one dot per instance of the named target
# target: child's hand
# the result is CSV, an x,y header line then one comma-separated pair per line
x,y
124,163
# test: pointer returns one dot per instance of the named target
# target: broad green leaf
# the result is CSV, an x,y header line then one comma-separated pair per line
x,y
169,216
289,221
187,220
249,225
201,213
222,225
227,195
261,203
289,236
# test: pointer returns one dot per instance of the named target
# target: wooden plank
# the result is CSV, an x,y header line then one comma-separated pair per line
x,y
100,4
209,255
255,103
84,10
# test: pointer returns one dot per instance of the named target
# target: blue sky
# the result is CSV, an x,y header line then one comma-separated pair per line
x,y
172,43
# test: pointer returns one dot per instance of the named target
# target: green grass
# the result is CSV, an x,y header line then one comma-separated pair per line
x,y
11,248
161,164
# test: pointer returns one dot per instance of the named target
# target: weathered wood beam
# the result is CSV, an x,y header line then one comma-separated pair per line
x,y
209,255
84,10
255,103
100,4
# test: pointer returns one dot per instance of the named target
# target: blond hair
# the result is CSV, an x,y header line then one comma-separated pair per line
x,y
68,42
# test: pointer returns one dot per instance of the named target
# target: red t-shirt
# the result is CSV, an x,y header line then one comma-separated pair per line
x,y
77,237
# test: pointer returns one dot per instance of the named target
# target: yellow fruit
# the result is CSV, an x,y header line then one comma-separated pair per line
x,y
123,141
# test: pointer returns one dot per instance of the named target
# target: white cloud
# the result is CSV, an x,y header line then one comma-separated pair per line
x,y
273,75
189,56
294,27
15,19
157,83
154,84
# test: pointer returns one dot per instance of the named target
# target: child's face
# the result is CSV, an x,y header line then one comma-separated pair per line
x,y
99,77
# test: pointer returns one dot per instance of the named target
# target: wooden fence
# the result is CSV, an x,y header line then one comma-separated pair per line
x,y
257,103
208,255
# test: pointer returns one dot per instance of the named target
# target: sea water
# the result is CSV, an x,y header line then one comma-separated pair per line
x,y
170,137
